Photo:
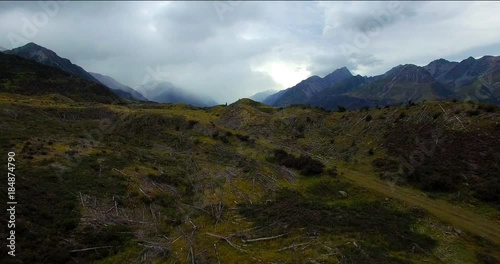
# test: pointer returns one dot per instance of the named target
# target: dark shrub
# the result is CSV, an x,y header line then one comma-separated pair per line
x,y
487,108
309,166
243,138
473,112
304,163
192,123
371,152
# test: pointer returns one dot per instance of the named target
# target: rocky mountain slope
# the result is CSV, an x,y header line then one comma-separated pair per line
x,y
470,79
21,76
303,91
42,55
32,51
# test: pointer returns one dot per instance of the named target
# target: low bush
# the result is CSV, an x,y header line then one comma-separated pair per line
x,y
304,163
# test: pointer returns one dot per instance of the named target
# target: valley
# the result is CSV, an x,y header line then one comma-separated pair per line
x,y
247,183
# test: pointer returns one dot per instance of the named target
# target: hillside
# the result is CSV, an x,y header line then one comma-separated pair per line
x,y
34,52
42,55
248,183
21,76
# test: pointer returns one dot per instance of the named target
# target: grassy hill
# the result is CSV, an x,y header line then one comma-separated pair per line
x,y
248,183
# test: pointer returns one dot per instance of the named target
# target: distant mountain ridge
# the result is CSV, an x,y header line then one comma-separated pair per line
x,y
126,91
166,92
32,51
470,79
307,88
35,52
27,77
259,97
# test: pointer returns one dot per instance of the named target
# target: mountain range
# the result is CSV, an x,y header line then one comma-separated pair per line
x,y
122,90
306,89
163,92
26,77
260,96
470,79
166,92
103,179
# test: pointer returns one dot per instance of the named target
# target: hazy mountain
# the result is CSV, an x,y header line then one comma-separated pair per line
x,y
117,87
306,89
261,96
32,51
166,92
153,89
470,79
22,76
271,99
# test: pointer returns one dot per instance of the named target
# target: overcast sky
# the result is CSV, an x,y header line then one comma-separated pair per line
x,y
231,50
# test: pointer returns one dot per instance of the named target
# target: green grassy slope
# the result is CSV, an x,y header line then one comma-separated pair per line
x,y
176,184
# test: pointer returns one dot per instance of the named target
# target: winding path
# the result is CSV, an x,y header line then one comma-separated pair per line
x,y
455,216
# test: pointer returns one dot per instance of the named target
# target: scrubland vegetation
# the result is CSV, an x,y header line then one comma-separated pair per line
x,y
249,183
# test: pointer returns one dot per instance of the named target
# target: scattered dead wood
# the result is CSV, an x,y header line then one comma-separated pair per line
x,y
87,249
228,241
294,246
81,198
121,172
144,193
262,238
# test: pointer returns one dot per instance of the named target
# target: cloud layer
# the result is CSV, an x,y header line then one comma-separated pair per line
x,y
229,50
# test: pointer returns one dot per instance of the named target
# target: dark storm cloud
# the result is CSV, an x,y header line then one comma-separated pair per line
x,y
230,50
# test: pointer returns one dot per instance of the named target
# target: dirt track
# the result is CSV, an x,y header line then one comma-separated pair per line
x,y
458,217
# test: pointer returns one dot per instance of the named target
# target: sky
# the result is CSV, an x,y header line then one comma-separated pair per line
x,y
229,50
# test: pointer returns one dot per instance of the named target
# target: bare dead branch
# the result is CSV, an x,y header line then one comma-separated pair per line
x,y
228,241
263,238
87,249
